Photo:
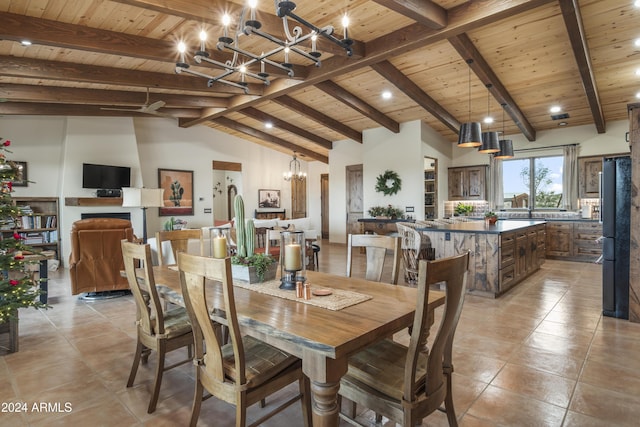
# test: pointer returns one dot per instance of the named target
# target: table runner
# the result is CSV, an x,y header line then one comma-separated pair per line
x,y
338,300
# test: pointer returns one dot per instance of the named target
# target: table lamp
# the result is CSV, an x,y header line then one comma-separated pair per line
x,y
142,198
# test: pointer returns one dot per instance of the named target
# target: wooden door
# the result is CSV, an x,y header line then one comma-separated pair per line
x,y
324,205
298,198
355,205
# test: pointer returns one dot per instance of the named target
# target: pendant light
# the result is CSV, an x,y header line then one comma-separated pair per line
x,y
470,132
490,142
506,145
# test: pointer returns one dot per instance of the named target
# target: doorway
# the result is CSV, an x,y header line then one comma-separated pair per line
x,y
324,205
354,198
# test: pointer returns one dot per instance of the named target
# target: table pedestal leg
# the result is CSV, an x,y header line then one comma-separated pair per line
x,y
325,403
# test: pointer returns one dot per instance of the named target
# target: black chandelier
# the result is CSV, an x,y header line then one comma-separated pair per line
x,y
243,60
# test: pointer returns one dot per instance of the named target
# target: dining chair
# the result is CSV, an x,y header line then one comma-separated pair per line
x,y
415,246
157,330
245,370
376,248
271,248
179,240
407,383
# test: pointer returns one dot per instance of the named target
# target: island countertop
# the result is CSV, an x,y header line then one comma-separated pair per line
x,y
482,227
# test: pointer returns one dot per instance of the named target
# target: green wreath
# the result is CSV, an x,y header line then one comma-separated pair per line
x,y
388,188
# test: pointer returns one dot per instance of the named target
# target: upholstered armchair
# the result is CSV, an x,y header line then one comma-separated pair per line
x,y
96,254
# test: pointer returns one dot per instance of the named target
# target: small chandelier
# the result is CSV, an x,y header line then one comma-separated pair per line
x,y
294,172
247,24
506,145
470,132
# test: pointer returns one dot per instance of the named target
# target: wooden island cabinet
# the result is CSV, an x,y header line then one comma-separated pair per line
x,y
502,255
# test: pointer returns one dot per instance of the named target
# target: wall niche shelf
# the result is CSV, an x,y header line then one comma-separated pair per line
x,y
93,201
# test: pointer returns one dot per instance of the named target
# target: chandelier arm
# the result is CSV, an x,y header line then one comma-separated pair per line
x,y
301,52
345,44
261,57
211,79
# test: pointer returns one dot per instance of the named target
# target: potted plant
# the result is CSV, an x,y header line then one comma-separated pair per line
x,y
463,209
491,217
385,212
246,265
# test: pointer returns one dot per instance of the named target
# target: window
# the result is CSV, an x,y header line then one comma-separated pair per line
x,y
546,185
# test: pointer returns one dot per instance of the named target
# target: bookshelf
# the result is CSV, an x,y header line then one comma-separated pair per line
x,y
39,225
430,189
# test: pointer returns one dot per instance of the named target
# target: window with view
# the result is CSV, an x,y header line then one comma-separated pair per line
x,y
537,176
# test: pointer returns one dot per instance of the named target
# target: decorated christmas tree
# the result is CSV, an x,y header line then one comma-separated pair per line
x,y
17,290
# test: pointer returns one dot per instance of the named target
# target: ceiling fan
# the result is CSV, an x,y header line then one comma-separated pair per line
x,y
146,108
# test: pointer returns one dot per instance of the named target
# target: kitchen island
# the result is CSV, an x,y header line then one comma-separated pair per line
x,y
502,255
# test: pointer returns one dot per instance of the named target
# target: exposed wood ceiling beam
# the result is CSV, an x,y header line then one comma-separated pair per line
x,y
358,104
67,71
53,94
573,21
325,120
424,12
282,124
466,17
271,24
53,33
33,109
466,49
413,91
247,130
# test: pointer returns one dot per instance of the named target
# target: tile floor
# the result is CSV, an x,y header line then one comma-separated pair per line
x,y
541,355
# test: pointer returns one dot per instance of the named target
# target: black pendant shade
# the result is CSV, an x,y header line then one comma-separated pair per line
x,y
506,149
490,143
470,135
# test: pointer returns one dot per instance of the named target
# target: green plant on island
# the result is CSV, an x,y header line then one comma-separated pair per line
x,y
463,209
17,289
490,214
385,211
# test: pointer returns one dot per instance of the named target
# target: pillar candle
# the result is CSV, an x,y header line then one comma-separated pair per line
x,y
292,255
219,247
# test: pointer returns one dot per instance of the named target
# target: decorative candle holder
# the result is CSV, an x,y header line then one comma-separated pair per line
x,y
292,267
219,242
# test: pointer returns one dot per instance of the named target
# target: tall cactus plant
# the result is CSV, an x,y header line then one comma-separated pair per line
x,y
238,204
250,241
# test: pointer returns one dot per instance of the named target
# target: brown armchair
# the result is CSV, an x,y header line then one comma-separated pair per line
x,y
96,254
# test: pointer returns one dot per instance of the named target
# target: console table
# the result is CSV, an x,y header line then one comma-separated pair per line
x,y
380,226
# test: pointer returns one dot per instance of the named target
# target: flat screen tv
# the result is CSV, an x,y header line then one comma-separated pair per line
x,y
105,177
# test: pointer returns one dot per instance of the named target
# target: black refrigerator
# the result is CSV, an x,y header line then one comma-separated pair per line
x,y
615,205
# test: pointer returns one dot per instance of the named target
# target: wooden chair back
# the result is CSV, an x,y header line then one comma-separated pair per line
x,y
149,313
179,241
376,248
272,246
415,246
451,271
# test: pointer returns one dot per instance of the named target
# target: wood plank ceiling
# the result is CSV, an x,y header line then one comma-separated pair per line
x,y
437,58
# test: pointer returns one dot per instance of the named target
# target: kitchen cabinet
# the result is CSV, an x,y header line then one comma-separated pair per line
x,y
559,239
574,240
468,183
589,169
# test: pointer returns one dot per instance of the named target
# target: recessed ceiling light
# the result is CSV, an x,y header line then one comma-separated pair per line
x,y
386,94
563,124
268,125
638,95
638,72
637,42
636,3
488,120
555,109
25,43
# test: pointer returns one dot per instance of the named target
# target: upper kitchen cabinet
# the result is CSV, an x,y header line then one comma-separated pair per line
x,y
468,183
589,169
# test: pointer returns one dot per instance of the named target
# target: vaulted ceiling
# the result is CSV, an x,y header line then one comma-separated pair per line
x,y
444,62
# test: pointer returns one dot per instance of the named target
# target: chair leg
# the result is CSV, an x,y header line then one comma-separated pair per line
x,y
136,362
448,404
241,411
158,381
305,391
197,401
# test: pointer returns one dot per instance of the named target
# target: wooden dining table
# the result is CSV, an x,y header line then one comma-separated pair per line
x,y
323,339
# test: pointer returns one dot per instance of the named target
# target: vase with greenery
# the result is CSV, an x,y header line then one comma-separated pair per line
x,y
491,217
247,265
17,289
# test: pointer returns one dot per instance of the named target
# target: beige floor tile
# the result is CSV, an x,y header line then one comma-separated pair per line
x,y
618,408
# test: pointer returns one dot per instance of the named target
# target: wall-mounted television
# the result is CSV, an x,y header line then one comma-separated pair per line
x,y
105,177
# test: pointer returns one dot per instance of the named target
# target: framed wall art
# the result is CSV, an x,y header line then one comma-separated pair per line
x,y
178,192
21,179
268,198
